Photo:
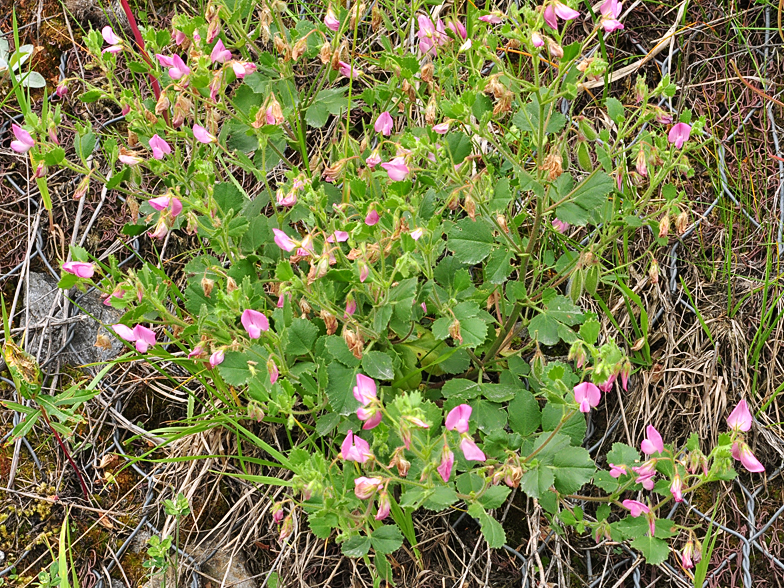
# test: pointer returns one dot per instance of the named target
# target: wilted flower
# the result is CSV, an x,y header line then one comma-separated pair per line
x,y
348,70
447,461
351,307
129,157
537,40
272,369
384,506
441,128
494,17
417,233
79,268
677,488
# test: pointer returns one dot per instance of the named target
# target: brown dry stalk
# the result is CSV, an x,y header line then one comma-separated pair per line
x,y
752,88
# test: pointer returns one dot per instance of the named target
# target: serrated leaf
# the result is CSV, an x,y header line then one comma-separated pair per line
x,y
488,416
471,241
322,523
524,414
495,496
441,498
622,454
473,331
338,349
356,546
340,388
458,146
492,530
498,266
326,423
655,551
331,101
605,481
378,365
234,370
572,469
386,539
301,336
574,428
585,199
589,331
462,389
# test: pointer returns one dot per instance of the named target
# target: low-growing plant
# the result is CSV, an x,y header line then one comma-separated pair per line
x,y
405,298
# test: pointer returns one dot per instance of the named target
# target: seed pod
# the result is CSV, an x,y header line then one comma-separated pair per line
x,y
576,286
591,282
584,156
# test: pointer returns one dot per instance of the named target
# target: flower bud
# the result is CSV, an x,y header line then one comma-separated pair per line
x,y
82,188
641,164
286,529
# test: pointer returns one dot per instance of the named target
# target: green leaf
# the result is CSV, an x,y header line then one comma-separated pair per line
x,y
473,331
495,496
441,498
326,423
229,197
536,482
378,365
55,156
84,144
574,427
322,523
622,454
91,96
615,110
527,118
337,348
572,469
327,102
491,529
588,197
356,546
340,388
462,389
234,370
547,328
488,415
605,481
524,414
471,241
301,337
386,539
589,331
498,266
654,550
458,146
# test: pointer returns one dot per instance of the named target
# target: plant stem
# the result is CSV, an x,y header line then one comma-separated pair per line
x,y
68,456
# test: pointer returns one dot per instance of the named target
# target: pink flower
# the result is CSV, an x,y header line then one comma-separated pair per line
x,y
159,147
217,358
470,451
202,135
373,159
645,474
160,231
458,29
254,322
441,128
555,10
686,559
355,448
348,70
331,21
653,443
416,234
178,68
616,471
537,40
179,37
371,218
338,236
611,10
447,461
108,35
384,124
397,169
79,269
430,35
198,352
283,199
371,417
365,390
679,134
494,17
61,90
272,369
740,418
24,140
364,271
283,241
364,487
635,507
164,60
560,226
166,202
144,337
118,292
129,158
351,308
587,395
608,384
242,68
677,488
219,53
742,453
384,506
457,419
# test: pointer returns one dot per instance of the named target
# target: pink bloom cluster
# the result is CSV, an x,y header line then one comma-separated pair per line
x,y
80,269
142,336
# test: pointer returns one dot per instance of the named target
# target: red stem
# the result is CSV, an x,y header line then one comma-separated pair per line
x,y
156,87
68,456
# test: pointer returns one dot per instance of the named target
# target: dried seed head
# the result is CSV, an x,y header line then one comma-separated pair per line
x,y
330,321
376,18
299,48
163,104
431,111
325,54
653,272
553,164
682,222
501,220
207,285
454,331
426,73
470,206
231,285
664,226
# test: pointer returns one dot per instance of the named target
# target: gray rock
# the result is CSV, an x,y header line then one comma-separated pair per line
x,y
82,350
